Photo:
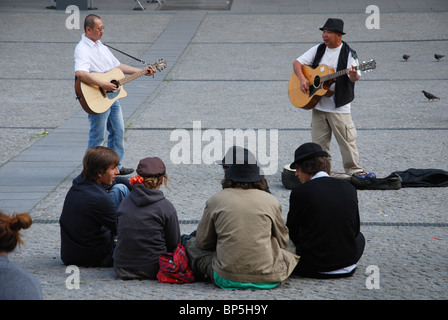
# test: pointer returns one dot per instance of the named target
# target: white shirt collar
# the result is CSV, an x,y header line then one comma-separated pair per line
x,y
320,174
89,41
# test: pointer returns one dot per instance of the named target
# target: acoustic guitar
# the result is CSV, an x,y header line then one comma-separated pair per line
x,y
320,79
94,99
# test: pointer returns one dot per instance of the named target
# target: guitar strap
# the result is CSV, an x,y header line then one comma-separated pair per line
x,y
125,54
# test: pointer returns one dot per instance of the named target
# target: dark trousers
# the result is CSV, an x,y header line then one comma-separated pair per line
x,y
200,260
304,270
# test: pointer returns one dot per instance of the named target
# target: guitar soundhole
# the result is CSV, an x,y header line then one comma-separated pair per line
x,y
316,86
316,81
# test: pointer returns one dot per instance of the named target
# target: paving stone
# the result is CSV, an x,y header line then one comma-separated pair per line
x,y
229,70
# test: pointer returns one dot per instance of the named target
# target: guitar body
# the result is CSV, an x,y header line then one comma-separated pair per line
x,y
316,89
95,100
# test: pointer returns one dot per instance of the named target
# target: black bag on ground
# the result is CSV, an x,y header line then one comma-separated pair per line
x,y
422,177
392,182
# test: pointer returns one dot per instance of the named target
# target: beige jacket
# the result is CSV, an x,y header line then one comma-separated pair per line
x,y
247,229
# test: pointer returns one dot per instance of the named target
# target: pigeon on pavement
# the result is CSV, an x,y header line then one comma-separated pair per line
x,y
430,96
438,56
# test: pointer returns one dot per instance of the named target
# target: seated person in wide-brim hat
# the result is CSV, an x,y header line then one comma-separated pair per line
x,y
323,218
241,239
239,155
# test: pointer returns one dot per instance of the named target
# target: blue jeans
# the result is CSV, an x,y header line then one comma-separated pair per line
x,y
118,192
112,120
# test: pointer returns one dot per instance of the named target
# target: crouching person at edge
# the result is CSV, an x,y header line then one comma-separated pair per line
x,y
323,218
88,218
147,224
241,240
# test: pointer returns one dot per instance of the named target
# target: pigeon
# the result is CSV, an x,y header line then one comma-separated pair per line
x,y
438,56
406,57
430,96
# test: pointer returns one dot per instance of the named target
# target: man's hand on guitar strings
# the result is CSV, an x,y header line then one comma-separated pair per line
x,y
109,86
304,86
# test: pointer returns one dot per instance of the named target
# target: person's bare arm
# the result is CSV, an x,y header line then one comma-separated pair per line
x,y
304,83
131,70
87,78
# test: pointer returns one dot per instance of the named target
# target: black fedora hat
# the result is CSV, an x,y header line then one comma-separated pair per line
x,y
237,155
247,172
306,151
334,24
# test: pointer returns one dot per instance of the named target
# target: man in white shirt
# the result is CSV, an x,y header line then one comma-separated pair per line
x,y
91,55
332,114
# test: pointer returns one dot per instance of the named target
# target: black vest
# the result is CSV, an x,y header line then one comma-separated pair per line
x,y
344,91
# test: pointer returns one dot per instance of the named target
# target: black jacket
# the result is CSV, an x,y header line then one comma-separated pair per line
x,y
87,223
147,227
323,221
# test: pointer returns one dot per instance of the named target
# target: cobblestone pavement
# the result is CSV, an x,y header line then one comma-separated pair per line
x,y
229,69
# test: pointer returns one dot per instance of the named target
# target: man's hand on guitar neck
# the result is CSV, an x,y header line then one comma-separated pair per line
x,y
353,73
150,70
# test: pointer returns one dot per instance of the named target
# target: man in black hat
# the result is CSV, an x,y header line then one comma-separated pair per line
x,y
323,218
332,114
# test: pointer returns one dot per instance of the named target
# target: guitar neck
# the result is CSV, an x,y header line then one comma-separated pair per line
x,y
333,75
133,76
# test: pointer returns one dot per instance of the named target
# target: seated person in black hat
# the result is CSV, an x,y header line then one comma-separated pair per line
x,y
147,224
238,154
241,239
332,114
323,218
88,216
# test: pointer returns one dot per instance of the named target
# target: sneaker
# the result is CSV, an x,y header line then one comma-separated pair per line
x,y
371,175
360,175
363,175
125,171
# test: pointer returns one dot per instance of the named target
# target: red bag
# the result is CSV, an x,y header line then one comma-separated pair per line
x,y
174,267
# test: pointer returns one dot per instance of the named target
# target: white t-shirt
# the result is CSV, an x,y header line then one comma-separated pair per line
x,y
330,58
94,57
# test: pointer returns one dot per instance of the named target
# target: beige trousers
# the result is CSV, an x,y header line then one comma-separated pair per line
x,y
324,124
